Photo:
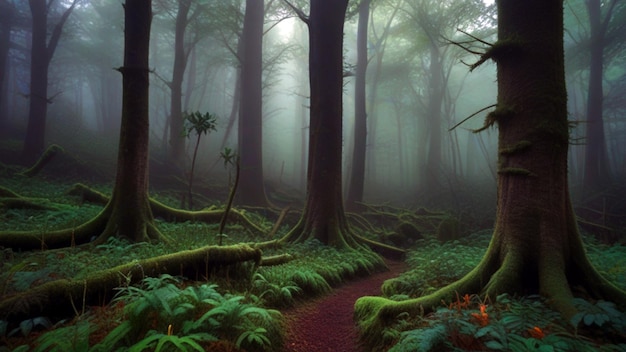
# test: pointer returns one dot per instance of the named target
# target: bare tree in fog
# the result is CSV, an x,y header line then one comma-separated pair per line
x,y
42,50
357,171
6,22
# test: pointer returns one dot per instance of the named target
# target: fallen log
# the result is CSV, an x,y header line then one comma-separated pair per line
x,y
67,297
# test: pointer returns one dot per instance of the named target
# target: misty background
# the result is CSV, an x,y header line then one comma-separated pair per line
x,y
419,89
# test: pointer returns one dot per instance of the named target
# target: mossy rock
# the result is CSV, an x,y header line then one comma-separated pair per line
x,y
406,232
448,229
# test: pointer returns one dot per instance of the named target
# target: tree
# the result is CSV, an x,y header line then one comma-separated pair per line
x,y
41,54
6,14
536,246
129,207
597,171
251,188
181,54
323,217
357,173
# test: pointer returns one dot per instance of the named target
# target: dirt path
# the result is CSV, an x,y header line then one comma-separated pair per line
x,y
326,324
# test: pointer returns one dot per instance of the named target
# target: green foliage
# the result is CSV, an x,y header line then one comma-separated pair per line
x,y
276,294
508,324
160,342
68,338
598,314
201,124
434,264
190,316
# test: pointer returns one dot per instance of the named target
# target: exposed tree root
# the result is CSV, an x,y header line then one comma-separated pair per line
x,y
500,271
87,232
63,298
43,160
26,203
7,193
172,214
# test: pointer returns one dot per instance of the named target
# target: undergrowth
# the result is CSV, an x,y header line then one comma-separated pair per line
x,y
502,323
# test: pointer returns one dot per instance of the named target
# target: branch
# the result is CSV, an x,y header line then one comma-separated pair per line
x,y
470,116
303,17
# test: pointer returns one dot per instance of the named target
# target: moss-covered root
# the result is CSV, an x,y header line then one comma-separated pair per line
x,y
161,210
64,298
30,240
373,314
45,158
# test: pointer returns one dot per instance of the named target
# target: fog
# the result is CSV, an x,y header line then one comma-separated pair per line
x,y
402,165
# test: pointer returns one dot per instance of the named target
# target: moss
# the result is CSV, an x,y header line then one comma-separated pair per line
x,y
499,114
515,171
61,298
500,51
45,158
515,148
448,229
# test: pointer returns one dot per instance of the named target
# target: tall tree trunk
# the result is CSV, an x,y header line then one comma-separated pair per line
x,y
597,171
41,54
323,217
38,96
432,169
129,207
251,190
357,175
177,140
6,18
536,246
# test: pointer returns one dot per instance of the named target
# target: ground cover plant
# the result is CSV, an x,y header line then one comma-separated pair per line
x,y
224,312
502,323
170,312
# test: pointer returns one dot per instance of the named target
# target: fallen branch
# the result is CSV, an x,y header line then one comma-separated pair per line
x,y
44,159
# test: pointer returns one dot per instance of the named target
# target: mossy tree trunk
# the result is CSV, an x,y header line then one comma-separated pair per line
x,y
323,217
128,211
536,246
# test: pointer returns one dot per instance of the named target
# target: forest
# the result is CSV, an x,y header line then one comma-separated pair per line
x,y
322,175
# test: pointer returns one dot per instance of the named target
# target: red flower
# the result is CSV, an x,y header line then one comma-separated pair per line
x,y
536,332
482,318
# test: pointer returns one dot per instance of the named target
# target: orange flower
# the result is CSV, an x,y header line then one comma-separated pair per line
x,y
536,332
482,318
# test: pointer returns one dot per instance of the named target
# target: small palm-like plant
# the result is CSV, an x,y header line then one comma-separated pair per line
x,y
200,124
230,158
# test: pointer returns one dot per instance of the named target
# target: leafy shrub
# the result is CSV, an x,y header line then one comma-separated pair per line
x,y
190,316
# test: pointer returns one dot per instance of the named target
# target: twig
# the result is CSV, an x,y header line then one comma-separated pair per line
x,y
472,115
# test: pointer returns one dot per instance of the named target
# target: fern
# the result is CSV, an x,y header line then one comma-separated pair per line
x,y
427,339
254,337
159,342
69,338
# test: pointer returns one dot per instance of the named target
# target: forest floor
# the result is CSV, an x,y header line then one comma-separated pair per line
x,y
326,324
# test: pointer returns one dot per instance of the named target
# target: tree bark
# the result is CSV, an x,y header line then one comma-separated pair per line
x,y
596,171
357,174
6,18
177,140
251,188
129,209
536,246
42,51
323,217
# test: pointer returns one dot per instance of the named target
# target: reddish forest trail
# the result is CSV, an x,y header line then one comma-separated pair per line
x,y
325,324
